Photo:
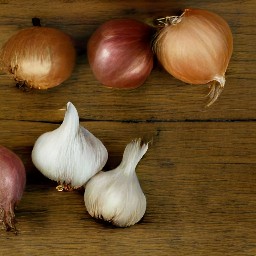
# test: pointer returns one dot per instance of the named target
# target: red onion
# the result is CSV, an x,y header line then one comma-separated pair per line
x,y
39,57
12,184
120,54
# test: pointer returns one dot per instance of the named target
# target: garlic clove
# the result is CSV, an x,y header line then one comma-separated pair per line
x,y
70,155
116,196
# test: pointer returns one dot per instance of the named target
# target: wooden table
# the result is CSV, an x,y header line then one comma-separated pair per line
x,y
199,174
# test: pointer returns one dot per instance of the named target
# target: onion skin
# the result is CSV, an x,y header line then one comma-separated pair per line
x,y
39,57
196,48
12,185
120,54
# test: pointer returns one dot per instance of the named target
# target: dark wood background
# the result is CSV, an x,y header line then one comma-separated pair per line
x,y
199,174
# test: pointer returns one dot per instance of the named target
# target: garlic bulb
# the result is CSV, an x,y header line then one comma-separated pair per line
x,y
196,48
116,196
70,155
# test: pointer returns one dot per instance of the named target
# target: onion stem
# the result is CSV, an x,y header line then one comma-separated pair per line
x,y
36,22
168,20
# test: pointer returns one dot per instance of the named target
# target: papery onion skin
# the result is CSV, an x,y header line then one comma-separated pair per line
x,y
196,48
120,53
12,185
39,57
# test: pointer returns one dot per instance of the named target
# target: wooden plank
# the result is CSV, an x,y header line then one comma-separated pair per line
x,y
199,172
161,98
176,142
199,179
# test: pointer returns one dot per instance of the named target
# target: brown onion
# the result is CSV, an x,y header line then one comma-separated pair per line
x,y
12,184
196,48
39,57
120,54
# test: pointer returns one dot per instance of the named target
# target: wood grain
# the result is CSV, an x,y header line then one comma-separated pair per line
x,y
199,172
161,98
199,179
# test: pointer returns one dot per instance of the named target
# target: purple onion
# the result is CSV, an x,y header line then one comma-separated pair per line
x,y
120,53
12,185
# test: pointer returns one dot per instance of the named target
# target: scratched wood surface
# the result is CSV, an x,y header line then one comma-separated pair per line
x,y
199,174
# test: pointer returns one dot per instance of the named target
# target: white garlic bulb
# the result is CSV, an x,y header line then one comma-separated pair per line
x,y
116,196
70,155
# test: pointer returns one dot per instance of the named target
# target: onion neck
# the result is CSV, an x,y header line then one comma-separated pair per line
x,y
36,22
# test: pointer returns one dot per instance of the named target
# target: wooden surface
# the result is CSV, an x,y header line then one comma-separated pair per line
x,y
199,174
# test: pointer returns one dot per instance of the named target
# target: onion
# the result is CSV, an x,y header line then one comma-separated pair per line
x,y
12,184
120,54
196,48
39,57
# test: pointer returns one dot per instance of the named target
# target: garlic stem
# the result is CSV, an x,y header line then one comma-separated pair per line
x,y
71,118
133,153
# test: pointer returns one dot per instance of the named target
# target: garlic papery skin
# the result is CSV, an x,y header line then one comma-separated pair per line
x,y
196,48
116,196
70,155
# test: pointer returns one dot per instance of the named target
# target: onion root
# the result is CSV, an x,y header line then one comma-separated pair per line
x,y
7,217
